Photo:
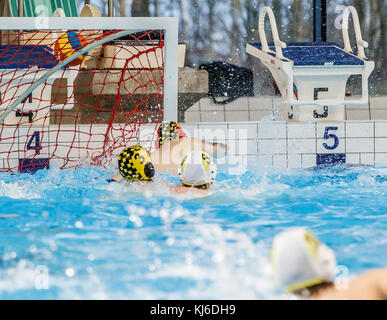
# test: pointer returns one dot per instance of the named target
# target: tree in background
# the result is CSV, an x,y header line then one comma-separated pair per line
x,y
140,8
277,9
373,20
122,7
235,32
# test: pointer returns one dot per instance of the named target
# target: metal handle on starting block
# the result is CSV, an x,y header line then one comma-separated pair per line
x,y
359,39
279,45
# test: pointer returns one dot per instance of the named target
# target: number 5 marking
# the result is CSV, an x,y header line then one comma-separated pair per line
x,y
328,135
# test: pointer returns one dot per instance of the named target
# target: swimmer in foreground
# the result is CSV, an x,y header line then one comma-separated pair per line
x,y
173,144
306,267
134,164
197,172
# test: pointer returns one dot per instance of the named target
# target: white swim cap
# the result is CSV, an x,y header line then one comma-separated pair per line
x,y
197,169
300,260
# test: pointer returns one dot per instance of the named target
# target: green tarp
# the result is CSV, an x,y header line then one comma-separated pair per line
x,y
44,8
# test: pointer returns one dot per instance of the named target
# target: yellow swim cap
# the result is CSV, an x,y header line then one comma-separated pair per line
x,y
134,164
169,131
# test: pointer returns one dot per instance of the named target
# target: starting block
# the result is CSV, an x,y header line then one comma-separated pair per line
x,y
21,66
312,77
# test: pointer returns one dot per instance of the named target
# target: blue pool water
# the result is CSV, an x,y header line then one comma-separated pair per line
x,y
71,235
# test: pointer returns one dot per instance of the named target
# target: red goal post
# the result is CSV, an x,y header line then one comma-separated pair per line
x,y
78,90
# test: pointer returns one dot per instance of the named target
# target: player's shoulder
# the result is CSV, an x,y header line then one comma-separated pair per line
x,y
369,280
375,274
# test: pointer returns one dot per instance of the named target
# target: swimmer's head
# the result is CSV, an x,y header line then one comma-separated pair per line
x,y
134,164
301,261
169,131
197,170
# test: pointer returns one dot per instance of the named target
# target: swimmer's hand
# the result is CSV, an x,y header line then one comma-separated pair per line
x,y
222,147
116,178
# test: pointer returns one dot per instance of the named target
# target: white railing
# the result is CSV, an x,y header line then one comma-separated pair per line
x,y
279,45
361,44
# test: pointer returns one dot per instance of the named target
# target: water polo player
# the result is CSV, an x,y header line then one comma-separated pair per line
x,y
173,144
306,267
196,173
135,164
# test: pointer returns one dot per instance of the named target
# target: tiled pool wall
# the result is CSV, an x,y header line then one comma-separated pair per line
x,y
297,145
267,142
271,108
275,144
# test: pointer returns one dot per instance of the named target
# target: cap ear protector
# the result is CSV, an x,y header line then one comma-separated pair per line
x,y
169,131
209,165
134,164
149,170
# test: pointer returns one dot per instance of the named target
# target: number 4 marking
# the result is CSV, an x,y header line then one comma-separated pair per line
x,y
35,138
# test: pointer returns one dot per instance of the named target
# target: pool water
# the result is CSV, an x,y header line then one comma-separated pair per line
x,y
72,235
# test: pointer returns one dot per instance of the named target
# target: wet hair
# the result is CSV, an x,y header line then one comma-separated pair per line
x,y
313,290
201,187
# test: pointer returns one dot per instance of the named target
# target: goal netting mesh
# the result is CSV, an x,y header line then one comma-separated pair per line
x,y
88,109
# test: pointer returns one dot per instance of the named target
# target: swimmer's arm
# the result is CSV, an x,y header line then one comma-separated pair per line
x,y
215,146
170,168
207,146
164,160
116,178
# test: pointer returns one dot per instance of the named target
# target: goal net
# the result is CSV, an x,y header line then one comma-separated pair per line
x,y
77,91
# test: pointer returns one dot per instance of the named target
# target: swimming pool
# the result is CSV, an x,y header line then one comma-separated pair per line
x,y
71,235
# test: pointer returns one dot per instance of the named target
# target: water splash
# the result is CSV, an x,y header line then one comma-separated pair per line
x,y
117,241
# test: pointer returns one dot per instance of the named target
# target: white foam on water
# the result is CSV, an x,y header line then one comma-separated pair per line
x,y
19,190
239,268
217,260
234,188
20,277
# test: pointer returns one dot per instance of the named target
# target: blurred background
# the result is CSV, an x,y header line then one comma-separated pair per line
x,y
219,29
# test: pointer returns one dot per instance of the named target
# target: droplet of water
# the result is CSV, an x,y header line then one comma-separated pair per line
x,y
33,249
69,272
170,241
218,257
79,224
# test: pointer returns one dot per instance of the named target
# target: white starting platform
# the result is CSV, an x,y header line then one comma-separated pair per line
x,y
312,77
21,66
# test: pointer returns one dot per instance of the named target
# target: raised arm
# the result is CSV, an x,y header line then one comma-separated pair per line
x,y
215,147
